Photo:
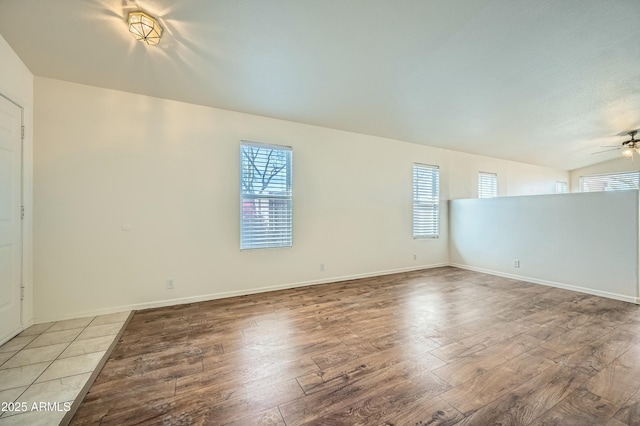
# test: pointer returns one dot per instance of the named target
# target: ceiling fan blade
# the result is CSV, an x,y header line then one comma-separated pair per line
x,y
606,150
626,132
610,146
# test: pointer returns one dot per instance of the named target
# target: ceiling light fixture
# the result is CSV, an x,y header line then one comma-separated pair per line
x,y
144,28
632,145
629,148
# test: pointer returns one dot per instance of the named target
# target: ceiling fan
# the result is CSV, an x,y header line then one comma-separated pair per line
x,y
628,147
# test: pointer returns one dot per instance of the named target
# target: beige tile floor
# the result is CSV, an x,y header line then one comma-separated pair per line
x,y
44,368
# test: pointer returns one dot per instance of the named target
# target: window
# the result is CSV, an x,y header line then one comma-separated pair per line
x,y
426,201
610,182
266,196
562,187
487,185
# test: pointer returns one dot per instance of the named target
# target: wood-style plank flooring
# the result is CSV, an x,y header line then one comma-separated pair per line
x,y
442,346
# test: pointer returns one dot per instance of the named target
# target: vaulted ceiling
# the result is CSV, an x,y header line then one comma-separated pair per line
x,y
539,81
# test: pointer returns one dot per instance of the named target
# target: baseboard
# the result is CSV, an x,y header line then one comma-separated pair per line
x,y
579,289
214,296
83,314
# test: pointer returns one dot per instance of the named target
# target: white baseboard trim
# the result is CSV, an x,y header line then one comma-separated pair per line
x,y
586,290
214,296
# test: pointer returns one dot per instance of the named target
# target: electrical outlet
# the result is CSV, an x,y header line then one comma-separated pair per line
x,y
322,266
415,256
516,263
169,283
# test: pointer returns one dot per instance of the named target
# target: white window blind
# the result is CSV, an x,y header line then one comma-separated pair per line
x,y
562,187
610,182
266,196
487,185
426,201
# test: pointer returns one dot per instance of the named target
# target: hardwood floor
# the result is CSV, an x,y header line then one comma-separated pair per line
x,y
436,347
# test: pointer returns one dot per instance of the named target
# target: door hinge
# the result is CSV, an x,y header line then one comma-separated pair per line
x,y
21,212
21,292
22,133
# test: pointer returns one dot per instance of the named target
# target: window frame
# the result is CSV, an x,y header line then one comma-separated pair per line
x,y
483,186
269,244
635,174
434,194
562,187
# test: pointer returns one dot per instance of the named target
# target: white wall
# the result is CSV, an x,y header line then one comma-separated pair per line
x,y
104,158
16,83
586,241
620,164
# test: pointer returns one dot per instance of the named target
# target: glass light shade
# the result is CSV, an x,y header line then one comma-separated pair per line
x,y
627,152
144,28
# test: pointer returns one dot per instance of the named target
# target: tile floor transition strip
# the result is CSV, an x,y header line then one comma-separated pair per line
x,y
53,363
85,389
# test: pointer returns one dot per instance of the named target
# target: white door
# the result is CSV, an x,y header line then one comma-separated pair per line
x,y
10,219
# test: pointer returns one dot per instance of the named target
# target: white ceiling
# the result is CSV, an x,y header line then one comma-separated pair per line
x,y
539,81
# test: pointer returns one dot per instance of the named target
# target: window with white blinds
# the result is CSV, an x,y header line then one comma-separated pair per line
x,y
610,182
487,185
562,187
266,196
426,201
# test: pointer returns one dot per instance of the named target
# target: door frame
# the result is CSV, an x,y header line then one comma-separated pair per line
x,y
22,245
